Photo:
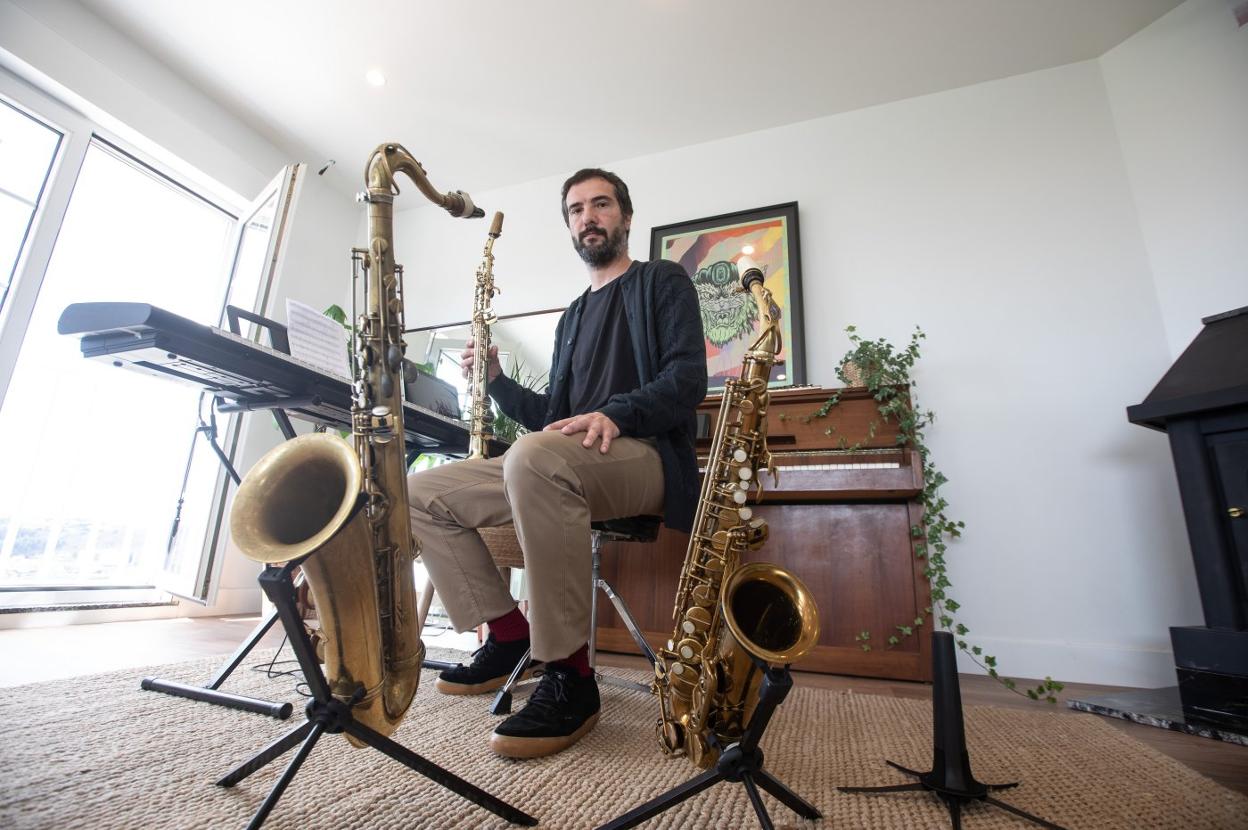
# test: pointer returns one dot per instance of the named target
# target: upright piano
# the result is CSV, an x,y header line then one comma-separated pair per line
x,y
840,518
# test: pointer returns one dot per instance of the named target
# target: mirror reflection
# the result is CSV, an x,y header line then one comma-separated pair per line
x,y
524,341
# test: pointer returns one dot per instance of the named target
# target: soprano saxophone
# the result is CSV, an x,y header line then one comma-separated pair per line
x,y
731,618
483,316
347,502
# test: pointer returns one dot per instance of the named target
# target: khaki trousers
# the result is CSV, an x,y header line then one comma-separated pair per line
x,y
551,487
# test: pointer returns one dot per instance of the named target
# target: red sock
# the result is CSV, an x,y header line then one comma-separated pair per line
x,y
578,661
510,627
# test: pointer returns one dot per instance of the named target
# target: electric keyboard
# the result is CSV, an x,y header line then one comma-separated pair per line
x,y
142,337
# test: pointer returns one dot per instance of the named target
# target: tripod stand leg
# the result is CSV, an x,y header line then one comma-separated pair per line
x,y
1034,819
756,801
785,796
670,798
264,756
955,811
909,772
436,773
280,787
239,653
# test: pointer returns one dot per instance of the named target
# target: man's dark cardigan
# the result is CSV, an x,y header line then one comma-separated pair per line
x,y
665,326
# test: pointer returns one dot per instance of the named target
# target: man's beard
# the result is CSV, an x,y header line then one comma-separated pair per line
x,y
602,253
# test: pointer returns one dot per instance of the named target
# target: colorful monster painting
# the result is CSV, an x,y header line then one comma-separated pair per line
x,y
709,250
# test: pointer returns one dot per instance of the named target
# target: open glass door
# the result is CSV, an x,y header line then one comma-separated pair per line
x,y
194,553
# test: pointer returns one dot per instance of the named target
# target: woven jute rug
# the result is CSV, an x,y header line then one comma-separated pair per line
x,y
99,753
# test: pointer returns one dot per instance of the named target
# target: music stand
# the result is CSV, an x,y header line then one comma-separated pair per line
x,y
325,713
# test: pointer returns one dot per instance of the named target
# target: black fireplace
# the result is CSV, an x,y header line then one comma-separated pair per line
x,y
1202,404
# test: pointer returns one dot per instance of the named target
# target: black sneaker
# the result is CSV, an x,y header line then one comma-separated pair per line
x,y
491,665
562,709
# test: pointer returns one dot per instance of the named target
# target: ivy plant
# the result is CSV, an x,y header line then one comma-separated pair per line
x,y
887,373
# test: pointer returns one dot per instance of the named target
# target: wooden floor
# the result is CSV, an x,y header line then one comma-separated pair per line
x,y
37,654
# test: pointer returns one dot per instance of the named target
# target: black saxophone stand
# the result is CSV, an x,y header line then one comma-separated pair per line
x,y
211,693
950,777
325,713
741,761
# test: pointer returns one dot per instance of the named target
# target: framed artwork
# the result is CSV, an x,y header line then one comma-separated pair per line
x,y
709,249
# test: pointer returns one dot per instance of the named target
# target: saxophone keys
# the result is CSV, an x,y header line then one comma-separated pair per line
x,y
739,455
745,473
670,737
740,496
689,650
697,620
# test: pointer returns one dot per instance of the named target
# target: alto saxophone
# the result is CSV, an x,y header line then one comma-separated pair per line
x,y
483,316
731,619
347,502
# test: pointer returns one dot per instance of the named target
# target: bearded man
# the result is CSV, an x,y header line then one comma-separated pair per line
x,y
612,437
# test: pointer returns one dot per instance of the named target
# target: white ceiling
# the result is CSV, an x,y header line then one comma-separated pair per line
x,y
494,92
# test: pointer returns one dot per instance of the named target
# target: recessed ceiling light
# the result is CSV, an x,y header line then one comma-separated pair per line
x,y
374,77
748,250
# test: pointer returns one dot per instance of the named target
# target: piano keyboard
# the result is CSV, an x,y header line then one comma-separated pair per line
x,y
810,468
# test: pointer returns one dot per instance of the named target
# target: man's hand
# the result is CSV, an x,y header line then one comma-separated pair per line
x,y
595,425
469,354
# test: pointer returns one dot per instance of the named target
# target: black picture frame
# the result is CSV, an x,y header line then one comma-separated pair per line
x,y
708,249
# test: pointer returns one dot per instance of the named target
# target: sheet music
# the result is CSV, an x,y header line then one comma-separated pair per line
x,y
317,340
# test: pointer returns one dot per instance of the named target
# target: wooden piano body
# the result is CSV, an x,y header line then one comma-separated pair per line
x,y
840,520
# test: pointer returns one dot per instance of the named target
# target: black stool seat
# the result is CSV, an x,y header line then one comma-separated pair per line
x,y
630,528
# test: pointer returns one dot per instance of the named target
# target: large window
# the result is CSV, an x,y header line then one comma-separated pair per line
x,y
101,463
94,454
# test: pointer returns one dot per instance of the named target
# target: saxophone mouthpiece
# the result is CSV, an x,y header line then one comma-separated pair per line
x,y
496,227
750,271
460,204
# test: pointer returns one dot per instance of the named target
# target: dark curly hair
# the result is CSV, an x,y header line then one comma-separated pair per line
x,y
621,189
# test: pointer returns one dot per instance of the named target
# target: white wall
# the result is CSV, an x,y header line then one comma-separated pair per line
x,y
69,51
1179,95
999,218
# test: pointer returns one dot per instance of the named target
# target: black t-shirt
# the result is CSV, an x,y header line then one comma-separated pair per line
x,y
602,358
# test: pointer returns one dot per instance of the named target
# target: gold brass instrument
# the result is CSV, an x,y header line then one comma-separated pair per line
x,y
483,316
727,614
347,502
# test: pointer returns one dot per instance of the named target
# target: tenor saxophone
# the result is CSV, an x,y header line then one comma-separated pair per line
x,y
731,619
483,317
347,502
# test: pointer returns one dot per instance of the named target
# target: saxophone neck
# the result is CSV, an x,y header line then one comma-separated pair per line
x,y
390,159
